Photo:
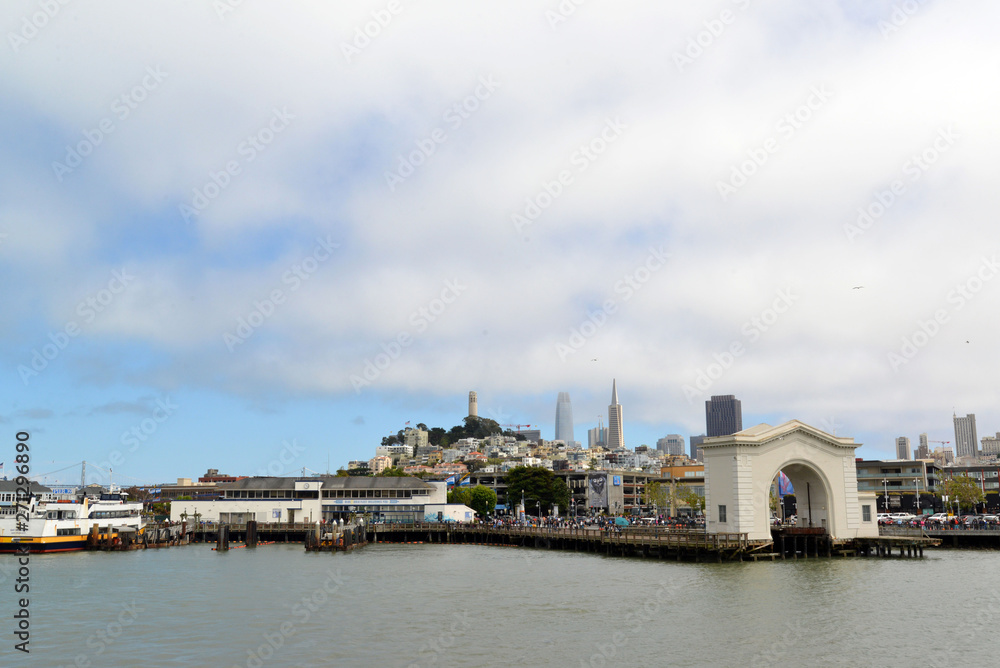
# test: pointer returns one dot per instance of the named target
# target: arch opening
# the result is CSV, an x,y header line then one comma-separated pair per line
x,y
812,494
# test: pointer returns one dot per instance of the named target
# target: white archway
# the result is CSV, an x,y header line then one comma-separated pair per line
x,y
739,470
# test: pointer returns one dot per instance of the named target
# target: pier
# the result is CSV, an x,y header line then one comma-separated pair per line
x,y
656,542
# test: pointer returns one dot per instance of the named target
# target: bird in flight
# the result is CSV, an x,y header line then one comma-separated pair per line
x,y
857,287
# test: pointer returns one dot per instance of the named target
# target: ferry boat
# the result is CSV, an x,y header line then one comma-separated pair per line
x,y
63,525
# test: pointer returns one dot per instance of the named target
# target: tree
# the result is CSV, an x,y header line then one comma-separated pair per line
x,y
393,472
965,490
435,435
390,440
656,494
137,494
538,486
460,495
665,497
693,499
483,500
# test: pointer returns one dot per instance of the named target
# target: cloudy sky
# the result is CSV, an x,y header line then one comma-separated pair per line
x,y
259,236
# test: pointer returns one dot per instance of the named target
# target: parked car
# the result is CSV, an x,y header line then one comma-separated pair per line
x,y
937,518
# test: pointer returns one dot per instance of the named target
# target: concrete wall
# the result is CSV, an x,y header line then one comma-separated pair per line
x,y
305,510
451,512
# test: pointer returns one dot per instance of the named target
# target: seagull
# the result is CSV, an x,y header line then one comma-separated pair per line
x,y
595,359
857,287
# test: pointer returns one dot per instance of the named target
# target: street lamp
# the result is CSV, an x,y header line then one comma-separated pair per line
x,y
885,495
916,485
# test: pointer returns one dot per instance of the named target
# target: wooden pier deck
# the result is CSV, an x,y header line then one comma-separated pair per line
x,y
654,542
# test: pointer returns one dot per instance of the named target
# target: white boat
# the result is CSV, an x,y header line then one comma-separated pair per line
x,y
63,525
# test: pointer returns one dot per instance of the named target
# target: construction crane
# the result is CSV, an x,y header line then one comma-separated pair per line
x,y
518,426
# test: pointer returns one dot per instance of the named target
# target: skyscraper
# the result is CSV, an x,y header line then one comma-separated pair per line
x,y
966,441
723,415
597,436
696,451
671,444
564,419
903,447
616,437
923,450
473,405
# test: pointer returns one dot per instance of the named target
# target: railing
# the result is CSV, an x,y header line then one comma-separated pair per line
x,y
623,535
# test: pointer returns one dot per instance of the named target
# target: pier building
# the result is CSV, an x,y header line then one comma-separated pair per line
x,y
291,500
741,468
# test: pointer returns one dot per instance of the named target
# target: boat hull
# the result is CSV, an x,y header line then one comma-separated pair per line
x,y
34,545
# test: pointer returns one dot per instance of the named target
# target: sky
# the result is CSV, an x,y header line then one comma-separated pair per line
x,y
260,236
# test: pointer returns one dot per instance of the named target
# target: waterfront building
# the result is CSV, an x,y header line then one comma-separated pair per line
x,y
473,405
616,434
591,492
966,442
684,475
739,468
9,490
564,419
291,500
896,483
903,447
723,415
671,444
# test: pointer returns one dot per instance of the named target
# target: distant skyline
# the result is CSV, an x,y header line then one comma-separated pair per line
x,y
564,419
219,253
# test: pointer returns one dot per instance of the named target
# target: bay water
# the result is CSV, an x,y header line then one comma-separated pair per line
x,y
460,605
